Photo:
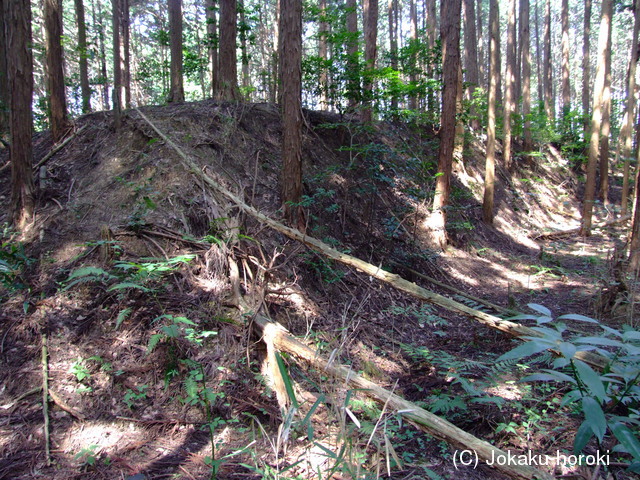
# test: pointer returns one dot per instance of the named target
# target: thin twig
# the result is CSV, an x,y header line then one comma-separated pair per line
x,y
57,148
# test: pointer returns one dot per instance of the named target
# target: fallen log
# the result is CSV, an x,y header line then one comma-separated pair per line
x,y
505,462
491,321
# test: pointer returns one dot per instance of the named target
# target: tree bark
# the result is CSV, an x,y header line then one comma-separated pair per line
x,y
549,107
566,85
526,75
176,91
494,74
4,81
450,38
393,18
586,66
370,27
471,57
596,118
244,52
353,76
98,21
212,43
413,62
626,132
539,73
509,83
55,69
117,65
17,15
605,128
481,47
85,88
228,87
323,32
431,22
290,27
126,52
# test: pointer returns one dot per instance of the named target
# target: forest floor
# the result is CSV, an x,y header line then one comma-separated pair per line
x,y
127,269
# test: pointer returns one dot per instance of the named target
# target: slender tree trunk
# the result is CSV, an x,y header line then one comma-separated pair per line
x,y
98,20
5,98
494,73
605,128
586,66
176,92
323,32
526,76
509,82
126,52
450,37
55,69
17,16
626,132
596,118
212,42
393,44
471,57
566,85
244,52
275,74
199,49
539,72
481,50
117,65
83,62
353,81
413,39
290,26
548,62
432,28
228,57
634,244
370,27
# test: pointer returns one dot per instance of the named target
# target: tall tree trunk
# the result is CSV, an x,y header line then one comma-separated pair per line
x,y
244,52
85,88
471,57
431,22
176,92
392,10
55,69
413,39
212,43
566,85
370,27
548,62
626,132
290,27
596,118
494,74
5,98
228,88
509,81
605,128
323,32
353,81
450,37
275,72
126,52
17,16
586,66
539,72
99,21
481,50
526,76
117,65
634,244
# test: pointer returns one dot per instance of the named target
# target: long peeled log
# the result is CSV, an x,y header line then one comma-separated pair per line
x,y
506,326
425,420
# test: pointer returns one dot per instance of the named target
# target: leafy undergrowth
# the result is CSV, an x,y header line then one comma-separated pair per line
x,y
131,265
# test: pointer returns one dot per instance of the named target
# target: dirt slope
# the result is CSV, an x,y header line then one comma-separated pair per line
x,y
121,203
